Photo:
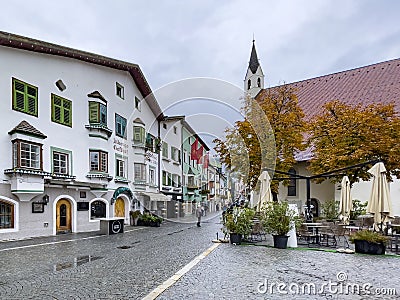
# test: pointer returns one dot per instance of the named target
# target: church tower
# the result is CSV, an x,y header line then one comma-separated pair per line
x,y
254,80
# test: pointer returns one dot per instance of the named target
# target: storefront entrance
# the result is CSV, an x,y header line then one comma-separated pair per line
x,y
63,215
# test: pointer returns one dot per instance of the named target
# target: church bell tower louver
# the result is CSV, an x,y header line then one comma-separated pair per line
x,y
254,80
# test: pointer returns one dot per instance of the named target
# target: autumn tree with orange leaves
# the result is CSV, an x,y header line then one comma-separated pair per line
x,y
346,135
270,134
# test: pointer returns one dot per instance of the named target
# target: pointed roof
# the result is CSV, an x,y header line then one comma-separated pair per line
x,y
25,128
253,63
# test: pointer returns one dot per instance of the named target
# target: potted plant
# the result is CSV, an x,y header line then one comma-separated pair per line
x,y
134,217
278,220
369,242
238,223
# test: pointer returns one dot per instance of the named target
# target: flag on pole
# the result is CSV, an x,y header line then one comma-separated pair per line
x,y
196,154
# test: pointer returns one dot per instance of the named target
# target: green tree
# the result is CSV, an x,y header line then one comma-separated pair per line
x,y
345,135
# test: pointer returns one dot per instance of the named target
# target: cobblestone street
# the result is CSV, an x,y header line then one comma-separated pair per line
x,y
131,265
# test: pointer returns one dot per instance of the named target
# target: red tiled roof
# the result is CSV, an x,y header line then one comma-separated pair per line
x,y
377,83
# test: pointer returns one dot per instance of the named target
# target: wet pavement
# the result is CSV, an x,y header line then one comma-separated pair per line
x,y
131,265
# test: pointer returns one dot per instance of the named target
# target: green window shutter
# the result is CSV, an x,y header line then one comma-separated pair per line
x,y
67,105
19,95
93,112
25,97
31,95
61,110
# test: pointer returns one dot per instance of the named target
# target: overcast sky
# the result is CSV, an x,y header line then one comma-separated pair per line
x,y
173,40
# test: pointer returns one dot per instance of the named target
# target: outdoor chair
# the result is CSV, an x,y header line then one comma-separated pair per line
x,y
340,232
327,235
368,223
394,241
257,233
306,237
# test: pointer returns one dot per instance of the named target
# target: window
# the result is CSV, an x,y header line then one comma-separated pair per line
x,y
61,110
119,90
6,215
120,126
27,155
165,150
120,167
176,180
249,84
97,209
97,113
191,181
98,161
150,142
164,125
175,154
166,178
292,187
152,176
138,135
60,163
25,97
137,103
185,160
258,82
175,129
140,172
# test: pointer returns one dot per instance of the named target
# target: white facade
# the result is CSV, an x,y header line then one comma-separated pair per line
x,y
79,167
171,164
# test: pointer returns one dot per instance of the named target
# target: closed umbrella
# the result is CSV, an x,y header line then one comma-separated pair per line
x,y
345,203
265,195
379,203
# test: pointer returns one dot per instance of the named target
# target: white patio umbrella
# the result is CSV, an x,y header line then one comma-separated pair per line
x,y
265,195
379,204
345,203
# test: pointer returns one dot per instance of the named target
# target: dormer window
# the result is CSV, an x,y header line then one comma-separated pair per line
x,y
97,113
27,155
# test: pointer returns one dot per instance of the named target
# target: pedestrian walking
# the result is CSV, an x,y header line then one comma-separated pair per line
x,y
199,213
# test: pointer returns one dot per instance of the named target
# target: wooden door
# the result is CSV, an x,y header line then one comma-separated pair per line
x,y
63,214
119,209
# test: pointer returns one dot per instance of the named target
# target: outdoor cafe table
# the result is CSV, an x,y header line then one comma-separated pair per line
x,y
315,227
350,228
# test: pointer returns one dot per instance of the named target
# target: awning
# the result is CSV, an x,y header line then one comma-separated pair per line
x,y
156,196
121,190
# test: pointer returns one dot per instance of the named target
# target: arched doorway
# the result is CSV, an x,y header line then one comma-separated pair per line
x,y
119,208
63,216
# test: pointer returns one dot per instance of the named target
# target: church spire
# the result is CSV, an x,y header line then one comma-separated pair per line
x,y
254,80
254,63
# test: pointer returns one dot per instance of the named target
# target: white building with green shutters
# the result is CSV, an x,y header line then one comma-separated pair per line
x,y
78,139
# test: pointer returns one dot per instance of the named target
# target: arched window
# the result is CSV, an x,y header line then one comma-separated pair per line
x,y
292,187
249,84
97,209
6,215
259,82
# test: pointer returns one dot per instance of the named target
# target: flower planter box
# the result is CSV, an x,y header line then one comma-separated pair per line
x,y
366,247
